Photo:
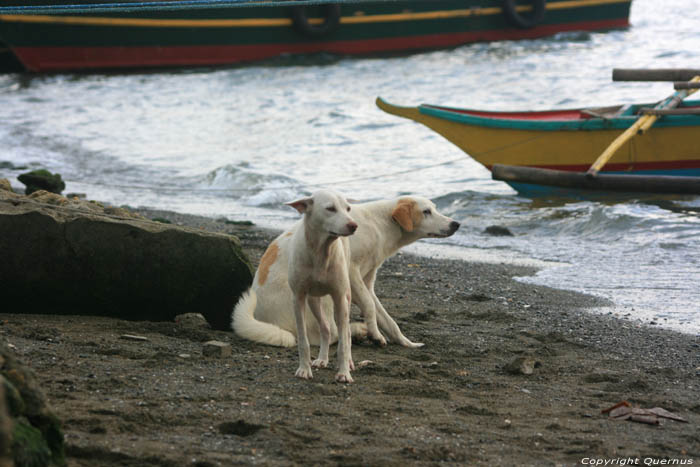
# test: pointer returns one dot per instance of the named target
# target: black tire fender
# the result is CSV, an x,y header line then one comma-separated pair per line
x,y
331,20
526,21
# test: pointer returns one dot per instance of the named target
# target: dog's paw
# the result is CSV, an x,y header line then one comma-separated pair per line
x,y
304,373
320,363
344,378
358,332
358,339
378,340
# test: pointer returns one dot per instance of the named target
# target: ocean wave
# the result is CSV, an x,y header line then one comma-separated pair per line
x,y
253,188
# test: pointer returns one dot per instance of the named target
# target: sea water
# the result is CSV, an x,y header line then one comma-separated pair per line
x,y
238,142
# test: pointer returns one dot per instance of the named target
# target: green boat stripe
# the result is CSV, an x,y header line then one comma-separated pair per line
x,y
591,124
277,22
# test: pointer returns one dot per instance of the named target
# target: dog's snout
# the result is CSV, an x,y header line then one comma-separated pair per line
x,y
454,225
352,227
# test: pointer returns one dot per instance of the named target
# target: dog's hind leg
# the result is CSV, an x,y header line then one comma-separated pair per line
x,y
325,331
363,299
388,324
392,330
304,370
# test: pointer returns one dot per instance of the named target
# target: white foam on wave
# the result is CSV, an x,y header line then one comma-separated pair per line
x,y
476,255
271,197
252,188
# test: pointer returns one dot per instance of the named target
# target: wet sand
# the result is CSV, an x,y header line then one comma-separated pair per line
x,y
160,402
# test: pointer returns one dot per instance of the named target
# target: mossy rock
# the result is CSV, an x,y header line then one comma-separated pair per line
x,y
42,180
36,438
29,448
13,399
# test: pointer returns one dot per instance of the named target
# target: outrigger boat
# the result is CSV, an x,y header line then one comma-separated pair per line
x,y
45,35
627,148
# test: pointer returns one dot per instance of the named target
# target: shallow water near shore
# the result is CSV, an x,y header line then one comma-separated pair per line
x,y
239,142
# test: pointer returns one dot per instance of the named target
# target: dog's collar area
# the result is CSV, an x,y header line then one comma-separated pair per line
x,y
399,225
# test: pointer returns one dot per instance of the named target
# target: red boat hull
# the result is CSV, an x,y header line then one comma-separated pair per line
x,y
235,35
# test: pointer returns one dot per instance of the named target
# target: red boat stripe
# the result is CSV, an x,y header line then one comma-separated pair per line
x,y
555,115
61,58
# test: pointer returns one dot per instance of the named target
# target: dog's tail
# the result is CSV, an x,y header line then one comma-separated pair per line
x,y
245,325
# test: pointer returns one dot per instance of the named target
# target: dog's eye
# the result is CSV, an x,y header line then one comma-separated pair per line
x,y
331,209
427,212
348,208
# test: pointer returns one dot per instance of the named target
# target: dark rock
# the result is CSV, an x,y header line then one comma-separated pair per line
x,y
192,320
216,349
36,437
237,223
42,180
478,297
522,366
498,231
75,259
239,428
11,166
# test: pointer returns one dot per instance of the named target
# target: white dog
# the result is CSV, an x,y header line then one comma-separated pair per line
x,y
264,313
318,266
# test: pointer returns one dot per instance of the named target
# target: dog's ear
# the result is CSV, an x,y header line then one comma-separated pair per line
x,y
301,205
403,215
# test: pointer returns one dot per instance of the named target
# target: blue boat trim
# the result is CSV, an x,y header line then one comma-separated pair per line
x,y
529,190
591,124
668,172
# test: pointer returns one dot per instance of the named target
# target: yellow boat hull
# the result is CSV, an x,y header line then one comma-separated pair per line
x,y
554,140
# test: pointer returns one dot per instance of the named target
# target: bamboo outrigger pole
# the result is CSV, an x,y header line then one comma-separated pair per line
x,y
640,126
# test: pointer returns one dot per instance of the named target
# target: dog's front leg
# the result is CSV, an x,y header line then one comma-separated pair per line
x,y
363,299
341,309
325,331
304,370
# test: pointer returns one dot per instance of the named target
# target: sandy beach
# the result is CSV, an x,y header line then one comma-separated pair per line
x,y
457,401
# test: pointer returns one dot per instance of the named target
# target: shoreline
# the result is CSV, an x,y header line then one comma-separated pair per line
x,y
255,240
455,401
436,250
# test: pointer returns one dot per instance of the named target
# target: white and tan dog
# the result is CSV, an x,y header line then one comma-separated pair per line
x,y
264,313
319,257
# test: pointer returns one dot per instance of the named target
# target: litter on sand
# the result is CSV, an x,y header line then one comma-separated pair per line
x,y
625,411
